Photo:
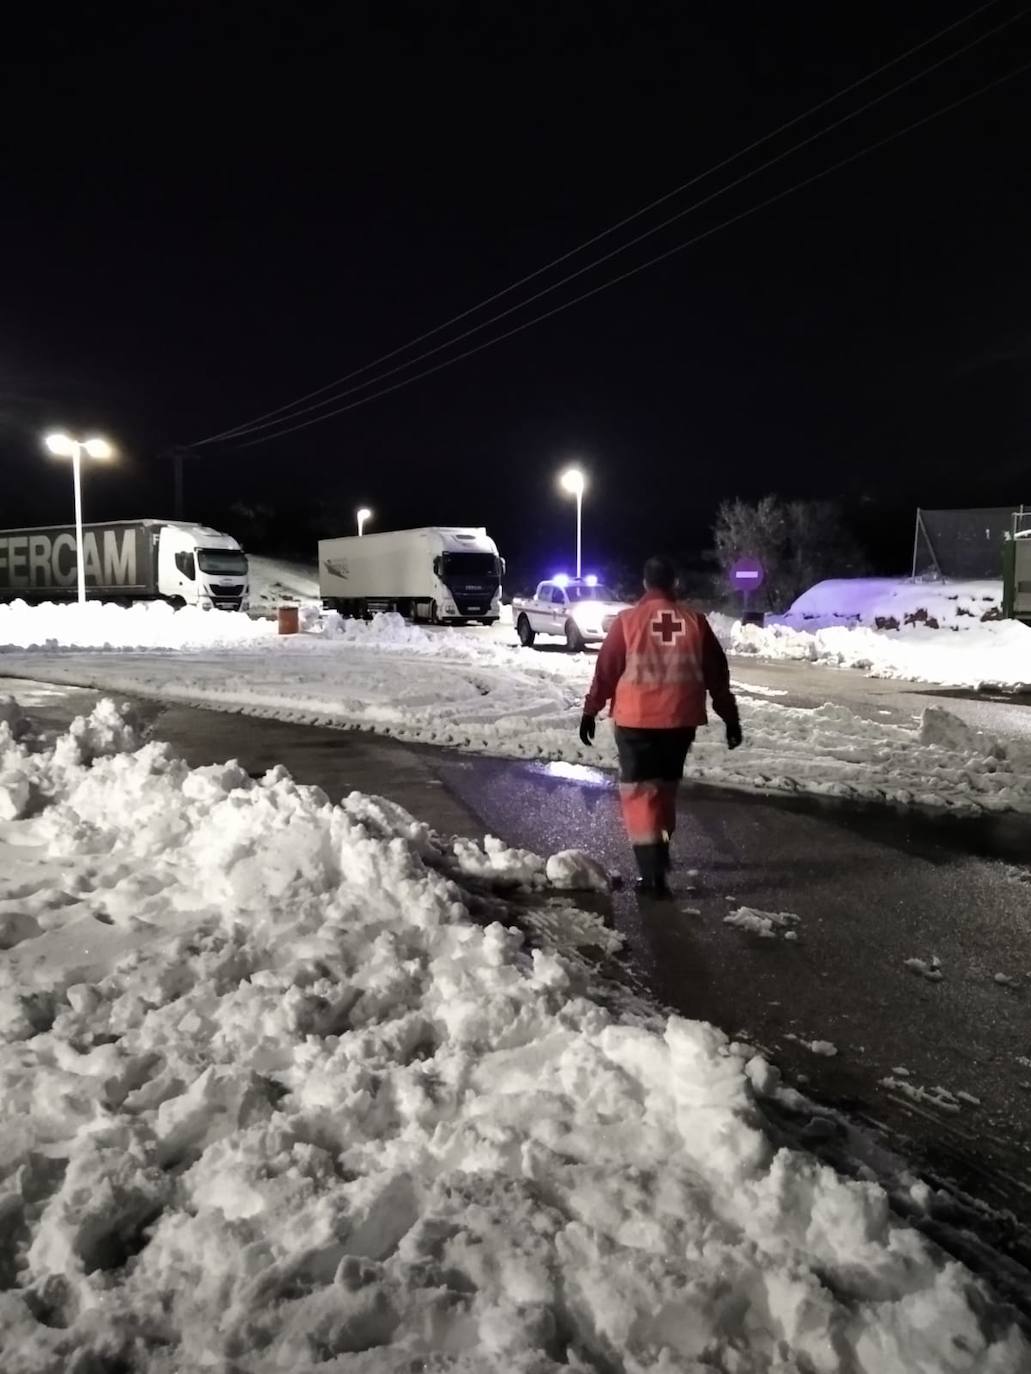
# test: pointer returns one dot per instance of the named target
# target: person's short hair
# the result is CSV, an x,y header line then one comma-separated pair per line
x,y
660,575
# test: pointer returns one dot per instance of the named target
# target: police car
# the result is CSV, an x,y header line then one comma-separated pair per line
x,y
579,610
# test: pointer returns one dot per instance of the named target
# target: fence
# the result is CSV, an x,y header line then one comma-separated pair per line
x,y
962,544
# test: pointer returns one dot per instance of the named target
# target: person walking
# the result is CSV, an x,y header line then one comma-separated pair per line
x,y
657,663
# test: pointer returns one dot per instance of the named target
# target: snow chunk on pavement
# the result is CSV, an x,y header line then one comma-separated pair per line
x,y
823,1047
494,859
571,870
927,968
768,924
305,1112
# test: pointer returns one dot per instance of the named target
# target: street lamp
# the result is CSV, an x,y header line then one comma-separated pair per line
x,y
361,516
64,446
573,481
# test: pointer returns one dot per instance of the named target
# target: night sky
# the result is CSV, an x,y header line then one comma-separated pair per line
x,y
208,210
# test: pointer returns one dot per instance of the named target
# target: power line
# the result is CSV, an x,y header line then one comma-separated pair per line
x,y
661,257
254,427
248,426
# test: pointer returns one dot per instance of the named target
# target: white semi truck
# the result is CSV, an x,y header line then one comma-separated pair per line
x,y
126,560
437,575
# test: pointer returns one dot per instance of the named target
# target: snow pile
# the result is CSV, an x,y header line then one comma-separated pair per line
x,y
386,630
270,1099
103,625
275,582
985,655
868,600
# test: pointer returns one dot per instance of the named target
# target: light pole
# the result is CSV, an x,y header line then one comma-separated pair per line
x,y
66,447
573,481
362,515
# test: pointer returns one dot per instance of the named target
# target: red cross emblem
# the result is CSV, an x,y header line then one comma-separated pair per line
x,y
668,627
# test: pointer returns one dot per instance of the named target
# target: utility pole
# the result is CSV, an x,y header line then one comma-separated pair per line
x,y
177,456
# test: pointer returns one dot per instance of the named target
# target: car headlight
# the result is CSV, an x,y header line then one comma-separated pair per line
x,y
588,619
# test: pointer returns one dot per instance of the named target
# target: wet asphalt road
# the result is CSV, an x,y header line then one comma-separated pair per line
x,y
872,887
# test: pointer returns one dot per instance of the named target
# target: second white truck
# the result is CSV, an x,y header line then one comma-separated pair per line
x,y
438,575
579,610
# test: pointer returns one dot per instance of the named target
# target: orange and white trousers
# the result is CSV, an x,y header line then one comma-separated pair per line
x,y
651,765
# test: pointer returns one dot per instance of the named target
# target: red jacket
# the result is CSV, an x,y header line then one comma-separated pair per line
x,y
656,665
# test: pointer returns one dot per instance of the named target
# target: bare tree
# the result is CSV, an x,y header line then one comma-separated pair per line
x,y
797,543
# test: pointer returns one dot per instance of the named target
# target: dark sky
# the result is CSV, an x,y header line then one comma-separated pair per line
x,y
209,209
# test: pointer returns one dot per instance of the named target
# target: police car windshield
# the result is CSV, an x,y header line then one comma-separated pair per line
x,y
222,561
585,593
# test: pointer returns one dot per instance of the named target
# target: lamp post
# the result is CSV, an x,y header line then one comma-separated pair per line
x,y
64,446
572,480
362,515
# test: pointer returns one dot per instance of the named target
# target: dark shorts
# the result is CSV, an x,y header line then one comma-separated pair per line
x,y
652,755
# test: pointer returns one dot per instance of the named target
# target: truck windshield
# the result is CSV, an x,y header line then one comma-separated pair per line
x,y
589,594
470,565
231,561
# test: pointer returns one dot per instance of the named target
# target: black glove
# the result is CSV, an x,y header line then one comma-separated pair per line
x,y
588,725
734,735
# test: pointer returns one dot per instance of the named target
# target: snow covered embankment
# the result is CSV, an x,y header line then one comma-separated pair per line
x,y
271,1099
886,601
948,633
278,582
66,625
991,655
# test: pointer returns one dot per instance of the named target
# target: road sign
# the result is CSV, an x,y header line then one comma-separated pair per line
x,y
747,575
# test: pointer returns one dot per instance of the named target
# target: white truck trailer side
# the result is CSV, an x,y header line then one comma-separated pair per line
x,y
437,575
126,560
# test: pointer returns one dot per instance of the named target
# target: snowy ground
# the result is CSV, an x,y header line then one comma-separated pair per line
x,y
278,1093
275,582
476,693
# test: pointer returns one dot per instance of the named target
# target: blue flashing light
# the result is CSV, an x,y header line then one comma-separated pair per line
x,y
561,579
591,580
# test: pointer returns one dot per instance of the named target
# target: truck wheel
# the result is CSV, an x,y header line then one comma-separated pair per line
x,y
574,639
525,632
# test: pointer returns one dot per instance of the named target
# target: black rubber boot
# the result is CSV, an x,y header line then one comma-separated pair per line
x,y
652,863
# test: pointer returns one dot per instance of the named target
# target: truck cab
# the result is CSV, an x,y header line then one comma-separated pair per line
x,y
198,566
579,610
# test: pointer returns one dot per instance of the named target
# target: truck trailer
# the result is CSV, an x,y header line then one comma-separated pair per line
x,y
126,560
437,575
